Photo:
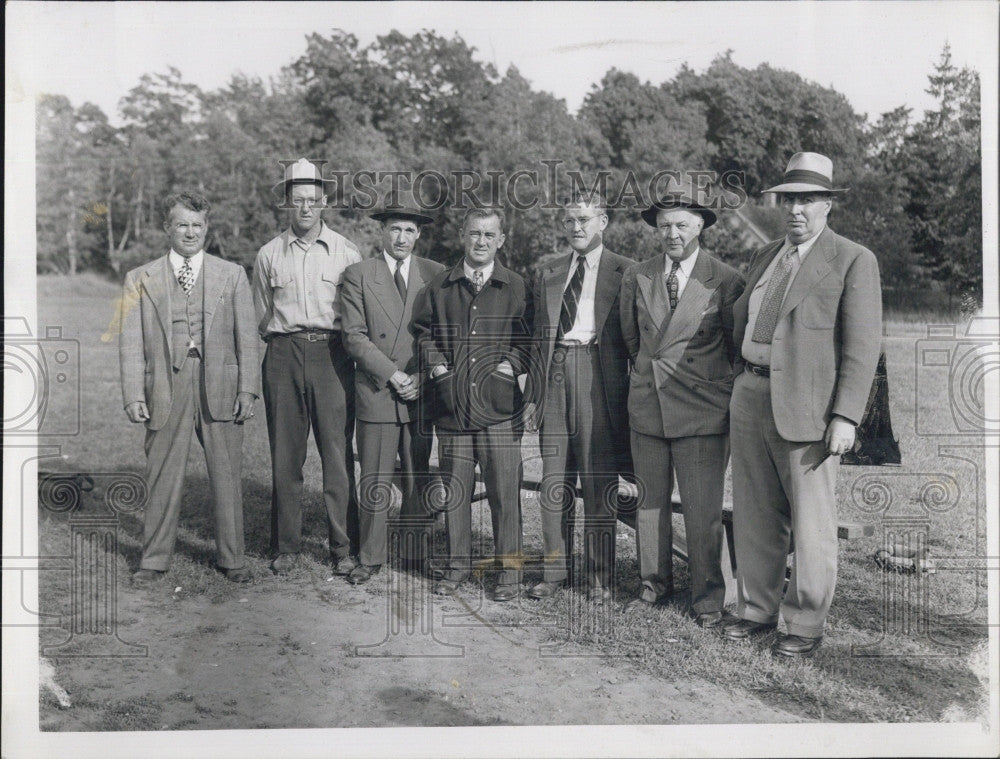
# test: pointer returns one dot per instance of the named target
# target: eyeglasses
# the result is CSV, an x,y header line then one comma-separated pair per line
x,y
306,202
581,220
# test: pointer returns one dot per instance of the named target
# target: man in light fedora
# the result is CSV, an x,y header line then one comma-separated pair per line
x,y
377,306
677,322
809,328
308,377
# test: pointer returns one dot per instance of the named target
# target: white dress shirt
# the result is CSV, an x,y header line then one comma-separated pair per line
x,y
486,270
760,353
683,272
177,261
404,269
583,330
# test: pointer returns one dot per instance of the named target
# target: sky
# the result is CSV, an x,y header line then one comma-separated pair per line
x,y
877,54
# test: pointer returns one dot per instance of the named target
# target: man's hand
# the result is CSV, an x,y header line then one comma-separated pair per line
x,y
839,437
137,412
505,367
243,408
404,385
438,370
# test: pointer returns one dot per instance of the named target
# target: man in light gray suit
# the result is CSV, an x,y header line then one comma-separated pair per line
x,y
188,354
677,322
377,299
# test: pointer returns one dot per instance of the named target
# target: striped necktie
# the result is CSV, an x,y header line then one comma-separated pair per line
x,y
571,300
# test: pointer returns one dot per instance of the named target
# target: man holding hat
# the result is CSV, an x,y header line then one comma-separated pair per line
x,y
377,305
809,329
308,377
677,322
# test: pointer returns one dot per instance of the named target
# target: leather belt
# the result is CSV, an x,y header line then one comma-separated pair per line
x,y
576,345
313,335
760,371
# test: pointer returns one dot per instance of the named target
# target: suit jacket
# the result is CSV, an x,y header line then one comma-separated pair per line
x,y
375,326
547,293
827,340
229,340
471,337
682,362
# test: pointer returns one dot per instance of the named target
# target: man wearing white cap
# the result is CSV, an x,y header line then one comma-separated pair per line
x,y
809,329
308,377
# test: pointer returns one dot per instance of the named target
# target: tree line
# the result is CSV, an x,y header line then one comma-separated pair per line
x,y
426,103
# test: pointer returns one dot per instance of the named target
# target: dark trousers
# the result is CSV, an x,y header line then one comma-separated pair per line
x,y
310,385
378,445
166,459
700,464
576,441
497,450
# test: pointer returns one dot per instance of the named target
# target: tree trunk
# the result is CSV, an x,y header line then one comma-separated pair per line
x,y
71,231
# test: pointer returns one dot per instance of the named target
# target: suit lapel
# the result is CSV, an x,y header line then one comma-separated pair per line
x,y
157,282
653,287
555,283
813,269
686,319
767,255
385,292
605,292
414,284
213,285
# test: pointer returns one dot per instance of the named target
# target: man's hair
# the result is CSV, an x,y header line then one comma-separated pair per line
x,y
193,201
591,198
484,213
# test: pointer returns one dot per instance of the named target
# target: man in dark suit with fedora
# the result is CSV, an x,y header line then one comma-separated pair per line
x,y
473,323
582,368
809,330
188,353
377,300
308,376
677,321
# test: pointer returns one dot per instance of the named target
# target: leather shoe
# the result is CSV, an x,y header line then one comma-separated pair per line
x,y
344,565
446,587
362,573
239,574
598,594
505,593
146,576
795,645
284,563
544,590
742,629
648,598
708,619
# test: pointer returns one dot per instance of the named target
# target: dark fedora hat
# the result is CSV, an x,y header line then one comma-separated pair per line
x,y
678,195
401,205
807,172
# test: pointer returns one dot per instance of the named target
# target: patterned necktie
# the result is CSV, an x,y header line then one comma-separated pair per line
x,y
672,285
186,277
571,300
400,282
477,280
770,305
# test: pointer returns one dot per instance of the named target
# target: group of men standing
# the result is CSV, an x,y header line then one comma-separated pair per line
x,y
646,371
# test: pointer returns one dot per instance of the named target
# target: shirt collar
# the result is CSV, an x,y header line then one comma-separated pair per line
x,y
486,270
804,247
177,261
325,237
687,265
591,260
391,262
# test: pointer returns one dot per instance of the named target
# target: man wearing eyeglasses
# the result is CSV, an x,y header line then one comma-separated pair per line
x,y
308,376
583,365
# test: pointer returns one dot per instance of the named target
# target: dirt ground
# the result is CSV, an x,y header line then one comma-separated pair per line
x,y
310,652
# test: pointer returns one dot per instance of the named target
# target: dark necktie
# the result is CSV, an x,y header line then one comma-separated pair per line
x,y
672,285
400,282
571,300
770,305
186,277
477,281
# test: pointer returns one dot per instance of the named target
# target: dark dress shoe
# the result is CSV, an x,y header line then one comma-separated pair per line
x,y
146,576
742,629
505,592
344,565
708,619
544,590
363,573
648,599
795,645
446,587
284,563
239,574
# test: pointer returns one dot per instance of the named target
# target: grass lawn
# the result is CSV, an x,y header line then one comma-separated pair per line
x,y
898,648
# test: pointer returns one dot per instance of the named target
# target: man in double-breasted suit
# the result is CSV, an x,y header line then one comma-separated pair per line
x,y
676,312
809,329
377,297
473,324
188,354
582,369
